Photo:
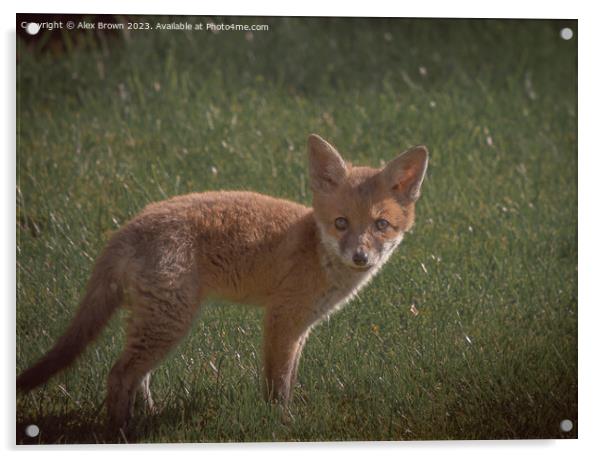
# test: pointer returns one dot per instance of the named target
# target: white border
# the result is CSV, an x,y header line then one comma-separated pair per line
x,y
590,382
424,8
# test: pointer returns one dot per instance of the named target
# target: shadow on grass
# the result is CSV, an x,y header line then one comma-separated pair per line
x,y
202,417
90,427
77,426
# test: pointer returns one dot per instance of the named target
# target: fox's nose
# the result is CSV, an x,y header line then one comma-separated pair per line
x,y
360,257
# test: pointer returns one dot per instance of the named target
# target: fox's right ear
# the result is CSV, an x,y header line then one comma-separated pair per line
x,y
326,167
406,172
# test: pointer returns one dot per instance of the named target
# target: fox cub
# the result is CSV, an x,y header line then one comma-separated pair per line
x,y
299,263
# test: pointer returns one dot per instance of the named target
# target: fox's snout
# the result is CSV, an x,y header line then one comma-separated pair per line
x,y
359,251
365,251
360,257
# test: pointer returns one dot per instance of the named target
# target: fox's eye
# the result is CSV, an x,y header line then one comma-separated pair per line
x,y
341,223
382,224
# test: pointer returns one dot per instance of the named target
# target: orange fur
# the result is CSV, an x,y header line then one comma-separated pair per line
x,y
244,247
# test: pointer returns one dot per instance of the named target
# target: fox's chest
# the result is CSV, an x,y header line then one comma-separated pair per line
x,y
342,289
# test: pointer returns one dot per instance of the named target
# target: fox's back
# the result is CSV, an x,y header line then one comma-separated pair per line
x,y
237,243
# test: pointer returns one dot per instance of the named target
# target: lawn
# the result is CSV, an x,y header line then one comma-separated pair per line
x,y
489,348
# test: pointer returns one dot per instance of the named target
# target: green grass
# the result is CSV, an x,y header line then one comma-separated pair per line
x,y
491,265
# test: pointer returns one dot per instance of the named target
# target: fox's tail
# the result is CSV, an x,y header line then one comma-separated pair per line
x,y
103,296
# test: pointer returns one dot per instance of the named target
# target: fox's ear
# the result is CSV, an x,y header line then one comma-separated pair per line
x,y
326,167
405,173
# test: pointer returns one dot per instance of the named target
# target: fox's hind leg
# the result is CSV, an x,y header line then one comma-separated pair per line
x,y
143,398
160,319
147,397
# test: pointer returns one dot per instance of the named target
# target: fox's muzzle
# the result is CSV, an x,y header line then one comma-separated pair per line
x,y
360,257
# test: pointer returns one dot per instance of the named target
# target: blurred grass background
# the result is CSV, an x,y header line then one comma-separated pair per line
x,y
112,124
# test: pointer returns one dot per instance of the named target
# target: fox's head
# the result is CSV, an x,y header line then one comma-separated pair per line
x,y
362,213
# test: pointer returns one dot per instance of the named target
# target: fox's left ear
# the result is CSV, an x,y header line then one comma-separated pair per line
x,y
327,169
405,173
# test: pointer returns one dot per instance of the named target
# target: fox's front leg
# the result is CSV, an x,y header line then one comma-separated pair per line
x,y
284,337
